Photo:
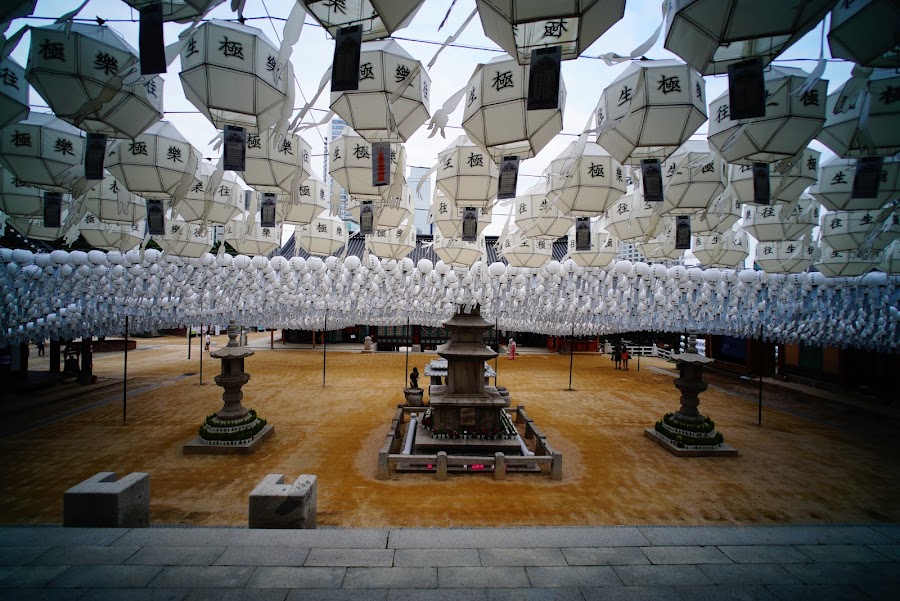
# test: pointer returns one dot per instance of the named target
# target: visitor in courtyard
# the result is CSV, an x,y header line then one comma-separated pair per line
x,y
208,339
414,378
40,348
617,356
512,348
625,357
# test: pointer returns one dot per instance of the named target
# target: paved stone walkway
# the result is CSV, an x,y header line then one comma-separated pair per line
x,y
647,562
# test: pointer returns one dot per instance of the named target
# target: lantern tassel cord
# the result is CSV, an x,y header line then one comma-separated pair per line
x,y
813,78
452,38
611,58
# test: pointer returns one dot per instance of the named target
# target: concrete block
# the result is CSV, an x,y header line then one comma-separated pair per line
x,y
384,465
274,504
499,466
556,466
103,502
442,465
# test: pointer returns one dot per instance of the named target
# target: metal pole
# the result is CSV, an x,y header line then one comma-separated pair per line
x,y
759,417
409,342
571,354
189,341
324,347
497,358
125,376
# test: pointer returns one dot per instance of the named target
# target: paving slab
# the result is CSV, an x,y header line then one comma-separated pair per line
x,y
135,594
724,593
748,573
237,594
350,558
29,576
202,577
879,591
86,556
436,557
290,577
17,556
106,577
43,594
275,555
534,594
325,538
764,554
816,592
841,553
604,556
482,578
57,536
684,555
391,578
321,594
763,535
442,594
890,530
572,576
845,573
522,557
892,552
175,556
511,538
661,575
630,593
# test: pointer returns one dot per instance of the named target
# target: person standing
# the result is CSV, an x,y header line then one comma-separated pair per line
x,y
40,348
208,340
617,356
625,357
512,348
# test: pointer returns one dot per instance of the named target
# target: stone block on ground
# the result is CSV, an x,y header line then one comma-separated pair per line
x,y
274,504
101,501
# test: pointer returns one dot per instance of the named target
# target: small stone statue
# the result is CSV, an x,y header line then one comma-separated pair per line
x,y
414,378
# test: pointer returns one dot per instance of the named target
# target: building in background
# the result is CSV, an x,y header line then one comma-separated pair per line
x,y
422,200
337,128
629,252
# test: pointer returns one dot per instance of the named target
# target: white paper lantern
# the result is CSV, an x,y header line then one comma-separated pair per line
x,y
781,222
18,199
392,243
520,251
455,251
630,217
520,26
833,263
184,239
785,256
448,218
274,164
249,237
890,261
385,67
13,93
585,185
110,202
386,214
42,150
159,163
324,236
662,246
178,11
719,217
849,230
111,236
712,34
693,177
305,204
791,121
495,114
230,73
787,179
862,32
835,186
604,248
350,164
536,218
221,205
878,100
378,18
466,174
650,110
721,250
34,228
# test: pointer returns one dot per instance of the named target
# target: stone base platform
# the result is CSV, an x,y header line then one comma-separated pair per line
x,y
426,444
198,447
723,450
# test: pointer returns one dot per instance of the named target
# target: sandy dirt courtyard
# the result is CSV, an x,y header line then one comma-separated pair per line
x,y
790,470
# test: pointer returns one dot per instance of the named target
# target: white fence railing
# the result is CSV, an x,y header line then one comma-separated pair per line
x,y
653,351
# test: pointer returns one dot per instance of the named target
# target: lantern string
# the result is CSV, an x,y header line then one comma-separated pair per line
x,y
452,38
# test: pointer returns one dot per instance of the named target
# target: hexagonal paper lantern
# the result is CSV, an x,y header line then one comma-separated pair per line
x,y
662,246
787,179
111,236
384,67
179,11
273,164
536,218
790,124
18,199
706,248
13,93
324,236
862,31
448,218
595,180
848,230
111,202
455,251
520,251
880,137
650,110
34,228
42,150
630,217
228,71
250,238
693,177
834,264
835,186
520,26
723,213
378,18
70,69
604,248
154,164
350,164
386,215
218,206
184,239
392,243
711,34
721,250
785,256
890,262
467,175
307,202
781,222
495,114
